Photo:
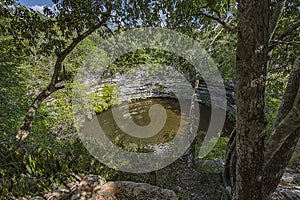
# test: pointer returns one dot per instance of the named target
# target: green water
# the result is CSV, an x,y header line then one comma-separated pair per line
x,y
139,113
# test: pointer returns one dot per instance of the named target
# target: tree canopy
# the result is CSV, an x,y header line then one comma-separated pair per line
x,y
255,45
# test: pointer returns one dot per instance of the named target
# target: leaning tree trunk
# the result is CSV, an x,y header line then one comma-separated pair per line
x,y
251,69
192,149
229,173
57,77
28,120
285,136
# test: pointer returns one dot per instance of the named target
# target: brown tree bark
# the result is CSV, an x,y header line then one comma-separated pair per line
x,y
278,151
257,167
251,71
229,177
29,117
280,146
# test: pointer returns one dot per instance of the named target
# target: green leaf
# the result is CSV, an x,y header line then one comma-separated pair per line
x,y
28,169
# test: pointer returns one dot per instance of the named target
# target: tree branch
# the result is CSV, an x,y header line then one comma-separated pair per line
x,y
52,86
228,5
288,116
213,42
286,33
27,122
274,168
279,42
220,21
275,17
59,87
286,133
61,56
283,35
282,131
228,175
217,12
290,93
275,164
109,29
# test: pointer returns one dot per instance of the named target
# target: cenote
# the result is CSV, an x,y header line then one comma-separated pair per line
x,y
139,114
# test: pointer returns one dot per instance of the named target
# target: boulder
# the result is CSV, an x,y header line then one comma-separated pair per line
x,y
133,191
288,188
95,187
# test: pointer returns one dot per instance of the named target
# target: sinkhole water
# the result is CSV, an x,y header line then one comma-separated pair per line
x,y
139,114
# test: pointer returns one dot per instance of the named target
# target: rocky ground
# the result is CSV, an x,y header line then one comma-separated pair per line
x,y
182,182
200,182
289,188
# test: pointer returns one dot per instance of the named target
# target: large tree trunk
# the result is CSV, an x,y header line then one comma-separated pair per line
x,y
280,146
251,69
255,169
28,120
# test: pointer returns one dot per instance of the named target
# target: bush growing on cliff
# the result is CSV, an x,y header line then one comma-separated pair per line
x,y
105,98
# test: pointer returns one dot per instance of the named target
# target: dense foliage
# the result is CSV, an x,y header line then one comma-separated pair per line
x,y
31,43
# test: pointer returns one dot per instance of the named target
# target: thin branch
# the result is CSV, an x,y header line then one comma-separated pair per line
x,y
105,25
230,155
220,21
275,17
280,39
59,87
289,31
215,38
213,41
278,42
228,5
217,12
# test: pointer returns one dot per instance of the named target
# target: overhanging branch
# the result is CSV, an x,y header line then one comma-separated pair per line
x,y
61,56
52,86
220,21
281,38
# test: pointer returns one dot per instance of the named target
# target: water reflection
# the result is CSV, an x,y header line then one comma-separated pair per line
x,y
139,113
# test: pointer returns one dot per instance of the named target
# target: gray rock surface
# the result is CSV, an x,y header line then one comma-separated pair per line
x,y
135,191
137,85
96,188
288,189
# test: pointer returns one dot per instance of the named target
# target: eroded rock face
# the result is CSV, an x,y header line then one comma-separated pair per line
x,y
133,191
161,86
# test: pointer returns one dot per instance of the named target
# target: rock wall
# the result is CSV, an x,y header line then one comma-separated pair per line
x,y
138,85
